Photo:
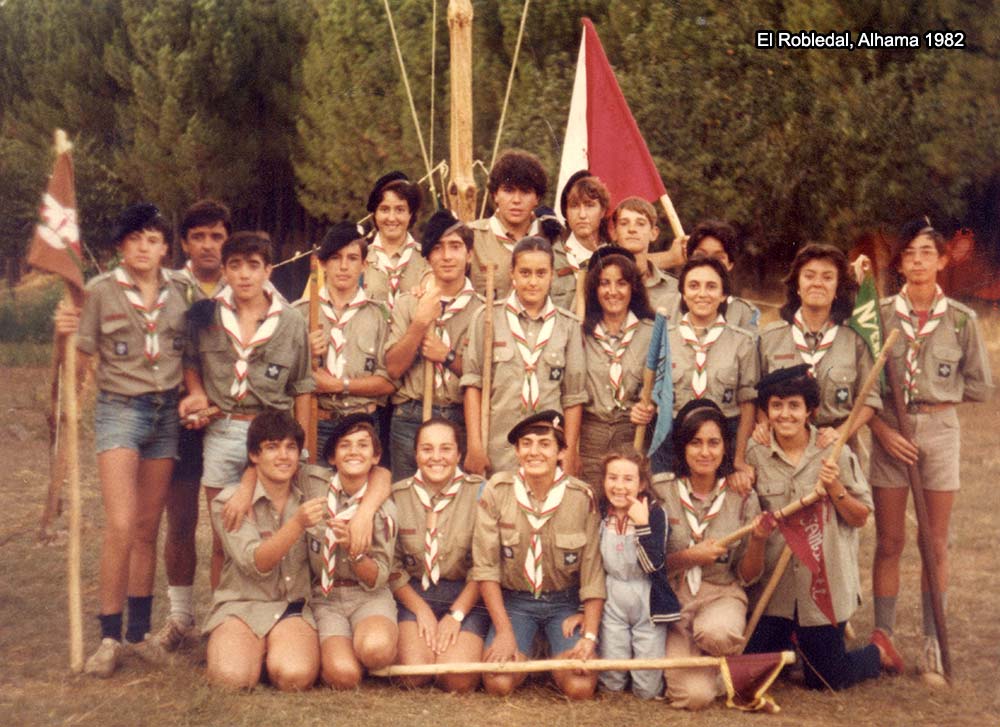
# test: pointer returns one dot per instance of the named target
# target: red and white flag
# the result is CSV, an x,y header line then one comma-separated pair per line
x,y
803,533
55,247
601,134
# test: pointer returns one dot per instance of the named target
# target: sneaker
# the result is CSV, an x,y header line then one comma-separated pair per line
x,y
103,662
173,634
149,651
892,662
930,668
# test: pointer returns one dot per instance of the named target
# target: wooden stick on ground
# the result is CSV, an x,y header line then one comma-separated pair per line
x,y
543,665
484,423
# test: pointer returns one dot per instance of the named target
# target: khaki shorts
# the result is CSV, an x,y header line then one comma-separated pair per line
x,y
340,613
937,436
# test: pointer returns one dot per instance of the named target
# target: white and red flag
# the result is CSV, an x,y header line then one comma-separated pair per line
x,y
55,247
803,533
601,134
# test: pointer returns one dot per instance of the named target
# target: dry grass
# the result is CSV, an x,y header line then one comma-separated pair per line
x,y
36,687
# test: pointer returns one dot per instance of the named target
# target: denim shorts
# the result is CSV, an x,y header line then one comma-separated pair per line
x,y
440,598
528,614
406,419
225,452
147,424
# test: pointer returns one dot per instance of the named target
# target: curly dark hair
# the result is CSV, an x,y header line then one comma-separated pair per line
x,y
519,169
847,286
706,262
721,231
638,304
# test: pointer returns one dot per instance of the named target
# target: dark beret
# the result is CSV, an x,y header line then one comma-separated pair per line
x,y
136,218
780,375
549,224
440,224
341,428
376,194
340,235
549,418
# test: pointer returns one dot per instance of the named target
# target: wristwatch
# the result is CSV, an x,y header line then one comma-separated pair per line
x,y
347,384
359,557
450,358
591,636
457,615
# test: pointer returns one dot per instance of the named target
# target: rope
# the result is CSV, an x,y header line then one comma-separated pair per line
x,y
409,96
506,96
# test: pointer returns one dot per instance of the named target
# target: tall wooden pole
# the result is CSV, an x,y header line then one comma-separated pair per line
x,y
462,188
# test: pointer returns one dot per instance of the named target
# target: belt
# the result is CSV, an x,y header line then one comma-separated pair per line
x,y
923,407
344,582
328,414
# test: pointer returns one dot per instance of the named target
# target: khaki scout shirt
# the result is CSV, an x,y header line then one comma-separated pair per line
x,y
376,282
732,369
742,314
571,544
662,291
455,525
563,291
779,482
315,482
116,332
599,390
487,247
366,334
189,287
561,374
258,599
411,386
735,513
278,371
952,364
840,373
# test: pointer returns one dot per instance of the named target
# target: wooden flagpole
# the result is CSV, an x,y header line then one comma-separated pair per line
x,y
675,221
484,420
312,433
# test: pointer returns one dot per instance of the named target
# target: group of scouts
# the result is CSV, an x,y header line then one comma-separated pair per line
x,y
393,548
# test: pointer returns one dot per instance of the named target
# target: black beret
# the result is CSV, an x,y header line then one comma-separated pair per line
x,y
376,194
341,428
564,197
340,235
440,224
136,218
549,418
607,251
550,225
780,375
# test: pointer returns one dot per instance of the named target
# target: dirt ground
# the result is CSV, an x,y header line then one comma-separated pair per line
x,y
37,688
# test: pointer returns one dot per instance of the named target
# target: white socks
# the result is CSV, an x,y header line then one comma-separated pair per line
x,y
181,604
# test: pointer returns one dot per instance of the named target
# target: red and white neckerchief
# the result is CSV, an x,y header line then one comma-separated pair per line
x,y
149,315
244,349
393,271
504,237
450,309
537,520
576,254
615,348
908,321
810,355
432,569
699,377
335,359
530,388
329,539
699,524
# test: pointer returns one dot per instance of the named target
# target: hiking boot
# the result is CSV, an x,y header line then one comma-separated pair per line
x,y
930,668
149,651
173,634
103,662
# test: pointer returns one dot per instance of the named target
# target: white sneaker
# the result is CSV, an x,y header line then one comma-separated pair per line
x,y
103,662
929,666
173,635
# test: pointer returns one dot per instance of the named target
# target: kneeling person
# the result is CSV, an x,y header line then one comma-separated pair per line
x,y
536,553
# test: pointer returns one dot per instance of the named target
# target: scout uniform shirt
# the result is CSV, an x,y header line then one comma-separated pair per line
x,y
739,312
732,369
190,287
563,290
411,387
363,352
662,291
455,523
491,243
951,363
138,354
571,544
734,513
315,482
602,401
560,373
258,599
840,372
779,482
389,275
278,369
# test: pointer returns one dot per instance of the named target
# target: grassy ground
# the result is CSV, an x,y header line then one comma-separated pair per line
x,y
36,687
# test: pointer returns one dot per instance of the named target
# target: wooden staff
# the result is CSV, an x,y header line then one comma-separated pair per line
x,y
646,394
675,221
541,665
312,433
427,410
57,454
484,405
765,597
580,302
73,470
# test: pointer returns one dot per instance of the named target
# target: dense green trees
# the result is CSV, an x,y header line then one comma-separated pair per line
x,y
289,109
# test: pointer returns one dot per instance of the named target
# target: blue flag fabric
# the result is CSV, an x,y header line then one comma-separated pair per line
x,y
658,359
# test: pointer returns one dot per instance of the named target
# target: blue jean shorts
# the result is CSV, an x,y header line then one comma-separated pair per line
x,y
225,452
406,419
528,614
147,424
440,598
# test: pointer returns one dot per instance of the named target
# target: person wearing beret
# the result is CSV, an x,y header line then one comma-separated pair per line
x,y
133,323
354,609
394,261
793,464
431,324
536,555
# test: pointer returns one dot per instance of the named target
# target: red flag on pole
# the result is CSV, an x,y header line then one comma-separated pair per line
x,y
601,134
55,247
803,533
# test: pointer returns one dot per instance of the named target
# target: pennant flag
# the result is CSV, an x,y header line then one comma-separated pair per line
x,y
55,247
865,319
803,533
658,360
601,134
748,677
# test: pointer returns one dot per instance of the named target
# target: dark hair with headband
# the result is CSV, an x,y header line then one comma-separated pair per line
x,y
638,303
689,421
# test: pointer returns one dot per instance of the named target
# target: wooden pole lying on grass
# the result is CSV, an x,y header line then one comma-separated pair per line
x,y
542,665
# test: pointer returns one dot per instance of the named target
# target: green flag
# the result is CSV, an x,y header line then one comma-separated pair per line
x,y
866,319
